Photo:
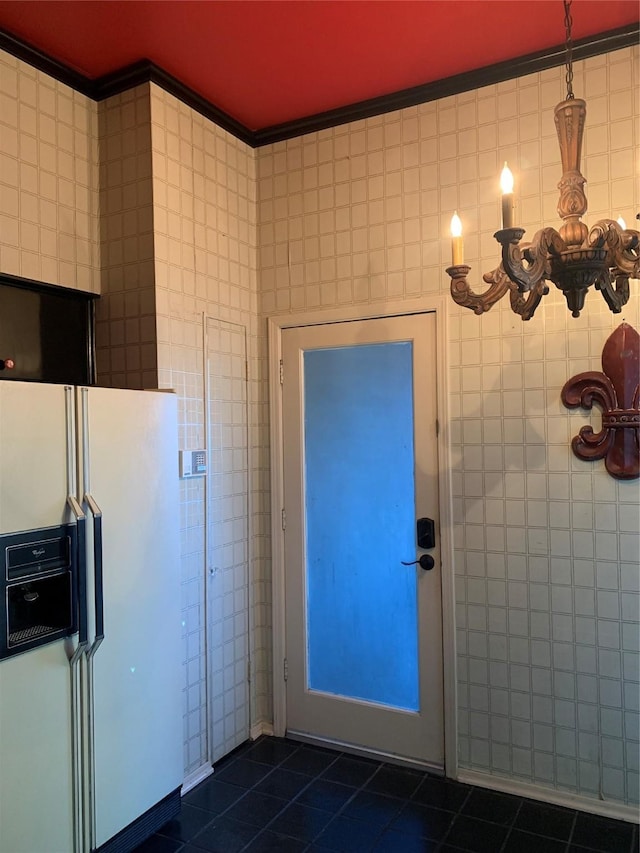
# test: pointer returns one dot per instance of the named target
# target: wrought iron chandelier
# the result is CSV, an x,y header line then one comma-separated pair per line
x,y
573,258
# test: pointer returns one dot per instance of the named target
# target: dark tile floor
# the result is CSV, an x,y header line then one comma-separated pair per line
x,y
278,795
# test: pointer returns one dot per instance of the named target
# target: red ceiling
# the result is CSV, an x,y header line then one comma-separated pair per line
x,y
270,61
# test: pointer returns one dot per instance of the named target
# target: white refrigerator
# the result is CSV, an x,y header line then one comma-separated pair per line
x,y
91,725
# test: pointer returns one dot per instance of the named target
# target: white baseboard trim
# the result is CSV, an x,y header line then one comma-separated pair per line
x,y
606,808
259,729
195,778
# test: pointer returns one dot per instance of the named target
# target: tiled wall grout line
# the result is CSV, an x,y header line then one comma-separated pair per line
x,y
573,827
511,825
346,803
287,802
456,814
294,799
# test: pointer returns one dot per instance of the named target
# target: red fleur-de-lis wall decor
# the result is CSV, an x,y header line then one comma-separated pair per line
x,y
617,392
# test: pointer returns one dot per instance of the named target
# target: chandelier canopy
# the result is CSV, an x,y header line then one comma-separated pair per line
x,y
573,258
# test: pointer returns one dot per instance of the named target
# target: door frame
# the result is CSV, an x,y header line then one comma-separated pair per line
x,y
439,305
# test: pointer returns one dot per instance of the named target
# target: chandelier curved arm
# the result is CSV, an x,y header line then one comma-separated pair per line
x,y
526,307
622,261
463,294
623,253
614,290
527,266
500,282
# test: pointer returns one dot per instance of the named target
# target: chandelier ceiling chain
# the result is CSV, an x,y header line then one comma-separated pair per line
x,y
568,21
574,257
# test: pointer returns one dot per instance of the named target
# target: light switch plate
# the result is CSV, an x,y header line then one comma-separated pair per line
x,y
193,463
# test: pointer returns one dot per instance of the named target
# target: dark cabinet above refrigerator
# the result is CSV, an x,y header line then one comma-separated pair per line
x,y
46,333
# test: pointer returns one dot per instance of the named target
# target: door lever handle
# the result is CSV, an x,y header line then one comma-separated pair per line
x,y
426,562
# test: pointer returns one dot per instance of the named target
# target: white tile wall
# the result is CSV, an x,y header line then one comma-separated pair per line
x,y
125,315
48,179
546,559
546,545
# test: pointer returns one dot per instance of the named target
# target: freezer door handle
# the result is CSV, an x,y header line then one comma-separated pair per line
x,y
81,548
98,575
96,512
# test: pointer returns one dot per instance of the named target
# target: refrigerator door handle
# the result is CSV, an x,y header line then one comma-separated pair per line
x,y
76,657
98,576
81,563
96,512
93,648
80,519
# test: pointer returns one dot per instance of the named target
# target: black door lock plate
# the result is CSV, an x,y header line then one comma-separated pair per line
x,y
426,533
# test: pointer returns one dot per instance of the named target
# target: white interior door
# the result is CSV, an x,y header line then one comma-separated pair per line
x,y
227,537
363,631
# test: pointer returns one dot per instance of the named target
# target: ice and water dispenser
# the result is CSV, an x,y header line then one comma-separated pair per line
x,y
39,587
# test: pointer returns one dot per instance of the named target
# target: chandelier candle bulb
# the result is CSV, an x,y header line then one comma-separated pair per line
x,y
456,240
506,185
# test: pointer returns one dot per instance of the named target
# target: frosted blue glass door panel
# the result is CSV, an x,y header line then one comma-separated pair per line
x,y
361,603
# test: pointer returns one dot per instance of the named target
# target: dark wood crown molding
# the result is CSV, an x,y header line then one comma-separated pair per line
x,y
145,71
489,75
42,62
